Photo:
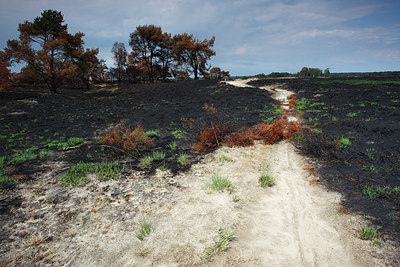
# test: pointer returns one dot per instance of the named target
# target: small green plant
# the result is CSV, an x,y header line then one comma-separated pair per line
x,y
183,158
376,192
173,145
371,192
147,160
179,133
152,132
221,183
316,131
222,158
335,119
45,154
225,237
78,173
143,230
266,180
28,154
73,141
236,198
298,137
369,232
344,142
158,155
351,114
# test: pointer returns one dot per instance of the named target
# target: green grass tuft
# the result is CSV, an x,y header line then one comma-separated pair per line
x,y
266,180
225,237
221,183
369,233
143,230
77,174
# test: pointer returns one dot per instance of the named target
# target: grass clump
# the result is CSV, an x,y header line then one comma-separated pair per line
x,y
143,230
221,183
183,158
158,155
173,145
222,158
179,133
73,141
28,154
369,232
152,132
225,237
78,173
147,160
344,142
266,180
376,192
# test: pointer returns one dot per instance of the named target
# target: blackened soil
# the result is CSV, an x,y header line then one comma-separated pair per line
x,y
31,117
367,111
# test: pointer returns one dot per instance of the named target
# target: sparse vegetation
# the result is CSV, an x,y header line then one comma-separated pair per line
x,y
266,180
225,237
221,183
369,232
183,158
77,174
143,230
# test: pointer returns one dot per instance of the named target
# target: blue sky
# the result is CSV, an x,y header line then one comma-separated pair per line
x,y
252,36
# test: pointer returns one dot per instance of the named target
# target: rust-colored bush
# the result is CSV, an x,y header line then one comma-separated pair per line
x,y
244,137
211,137
124,139
270,133
292,101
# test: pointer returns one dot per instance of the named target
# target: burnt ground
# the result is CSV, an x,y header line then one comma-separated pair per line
x,y
367,112
34,118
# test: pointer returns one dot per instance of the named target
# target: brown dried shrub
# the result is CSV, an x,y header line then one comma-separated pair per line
x,y
125,139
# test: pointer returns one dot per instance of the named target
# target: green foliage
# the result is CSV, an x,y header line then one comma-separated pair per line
x,y
344,142
376,192
369,233
143,230
152,132
225,237
78,172
158,155
222,158
45,154
266,180
316,131
183,158
173,145
147,160
351,114
73,141
179,133
310,72
221,183
28,154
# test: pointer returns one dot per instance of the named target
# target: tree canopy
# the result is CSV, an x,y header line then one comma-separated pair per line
x,y
46,46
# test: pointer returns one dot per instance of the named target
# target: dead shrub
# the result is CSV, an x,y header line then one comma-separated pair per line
x,y
125,139
210,137
244,137
292,101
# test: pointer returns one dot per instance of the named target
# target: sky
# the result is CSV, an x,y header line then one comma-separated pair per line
x,y
252,36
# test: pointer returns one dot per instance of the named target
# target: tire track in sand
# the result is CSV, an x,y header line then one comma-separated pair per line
x,y
290,224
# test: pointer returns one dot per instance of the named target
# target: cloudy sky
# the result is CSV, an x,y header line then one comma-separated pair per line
x,y
252,36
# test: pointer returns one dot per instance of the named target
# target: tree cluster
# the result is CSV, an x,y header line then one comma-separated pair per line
x,y
53,54
158,55
5,75
313,72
